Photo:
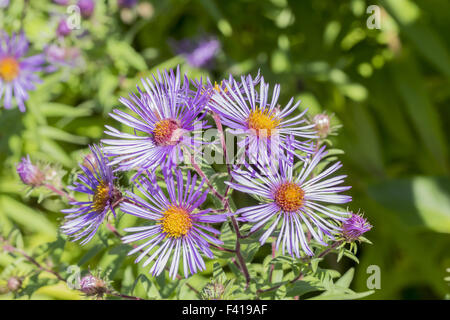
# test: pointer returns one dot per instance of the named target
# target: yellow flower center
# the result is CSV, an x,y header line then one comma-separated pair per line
x,y
262,122
289,197
9,69
218,87
101,196
166,132
176,222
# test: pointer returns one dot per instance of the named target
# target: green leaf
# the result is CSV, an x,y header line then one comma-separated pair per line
x,y
419,201
52,109
32,220
301,287
346,279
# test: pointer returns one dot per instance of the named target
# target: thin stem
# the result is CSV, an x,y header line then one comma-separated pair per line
x,y
203,175
328,250
216,118
222,248
60,192
8,247
238,252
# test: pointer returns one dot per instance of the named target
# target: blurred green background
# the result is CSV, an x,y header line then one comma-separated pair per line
x,y
389,88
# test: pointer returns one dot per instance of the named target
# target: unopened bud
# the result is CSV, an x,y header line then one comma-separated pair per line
x,y
213,291
29,173
322,124
86,7
63,29
14,284
354,227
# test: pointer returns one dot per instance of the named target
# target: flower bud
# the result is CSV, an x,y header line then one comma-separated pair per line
x,y
14,284
86,7
63,29
92,286
213,291
30,174
354,227
322,124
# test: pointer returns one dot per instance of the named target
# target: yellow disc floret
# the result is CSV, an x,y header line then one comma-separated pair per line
x,y
101,196
9,69
289,197
262,122
218,87
163,134
176,221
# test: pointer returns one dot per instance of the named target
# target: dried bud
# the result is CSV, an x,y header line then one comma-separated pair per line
x,y
93,286
322,124
354,227
30,174
14,284
213,291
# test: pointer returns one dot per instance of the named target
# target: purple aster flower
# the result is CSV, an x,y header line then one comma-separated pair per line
x,y
179,226
198,53
61,57
4,3
126,3
166,114
17,74
86,7
63,29
210,89
29,173
97,180
354,227
266,127
295,201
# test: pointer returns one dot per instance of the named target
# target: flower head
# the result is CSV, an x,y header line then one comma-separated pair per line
x,y
295,201
267,128
354,227
199,53
4,3
178,224
17,74
84,220
167,113
61,57
29,173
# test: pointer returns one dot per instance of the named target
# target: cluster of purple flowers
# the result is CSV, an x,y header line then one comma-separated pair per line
x,y
298,203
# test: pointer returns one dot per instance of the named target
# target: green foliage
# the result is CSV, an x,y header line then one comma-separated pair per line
x,y
388,88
